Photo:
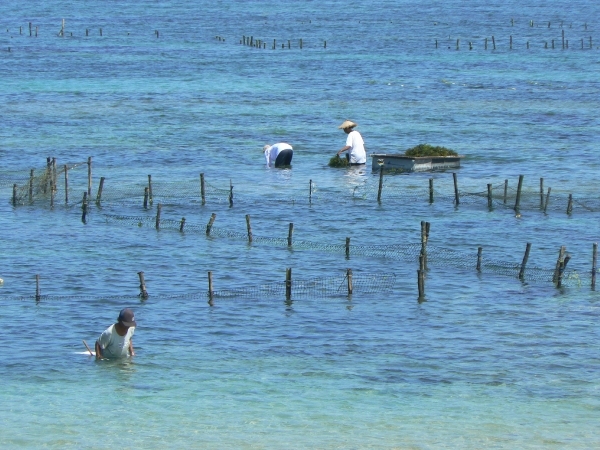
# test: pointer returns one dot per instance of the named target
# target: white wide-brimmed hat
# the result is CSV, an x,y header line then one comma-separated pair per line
x,y
347,124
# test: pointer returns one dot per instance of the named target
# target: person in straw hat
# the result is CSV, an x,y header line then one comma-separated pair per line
x,y
355,146
278,155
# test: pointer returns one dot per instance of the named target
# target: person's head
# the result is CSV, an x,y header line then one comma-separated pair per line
x,y
347,126
126,318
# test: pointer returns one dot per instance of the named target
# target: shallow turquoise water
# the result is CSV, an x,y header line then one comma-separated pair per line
x,y
485,361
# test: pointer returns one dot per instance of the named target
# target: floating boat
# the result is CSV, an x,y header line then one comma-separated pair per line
x,y
402,163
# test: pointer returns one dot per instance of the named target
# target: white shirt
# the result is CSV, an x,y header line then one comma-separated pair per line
x,y
113,345
357,148
274,150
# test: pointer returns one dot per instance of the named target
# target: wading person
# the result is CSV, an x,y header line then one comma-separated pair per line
x,y
115,341
278,155
355,146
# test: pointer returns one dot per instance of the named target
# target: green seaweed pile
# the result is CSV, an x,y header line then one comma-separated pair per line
x,y
429,150
336,161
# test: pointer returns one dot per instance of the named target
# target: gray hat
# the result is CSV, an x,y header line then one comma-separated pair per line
x,y
127,318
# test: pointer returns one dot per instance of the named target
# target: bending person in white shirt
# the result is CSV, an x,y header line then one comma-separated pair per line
x,y
115,341
278,155
354,144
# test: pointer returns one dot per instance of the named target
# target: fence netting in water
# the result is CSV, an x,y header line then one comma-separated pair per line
x,y
410,252
50,186
361,283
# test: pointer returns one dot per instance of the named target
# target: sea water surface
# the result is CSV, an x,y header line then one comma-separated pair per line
x,y
167,89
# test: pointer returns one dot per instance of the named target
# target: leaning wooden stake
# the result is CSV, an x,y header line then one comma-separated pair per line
x,y
347,248
541,193
518,201
559,261
594,268
310,191
570,205
456,197
563,267
479,253
349,279
288,283
524,262
230,194
547,200
249,227
100,188
210,223
143,292
182,224
380,183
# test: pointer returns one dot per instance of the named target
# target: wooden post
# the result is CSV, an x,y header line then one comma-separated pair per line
x,y
518,201
29,29
89,163
143,292
594,260
541,192
347,248
431,190
570,205
300,44
182,224
458,44
489,195
100,31
290,232
210,223
289,44
324,44
486,43
54,174
38,293
274,44
84,206
524,262
66,184
100,188
310,191
158,211
421,283
202,189
349,279
559,261
563,267
31,185
52,191
14,198
47,178
547,199
249,227
479,252
563,39
424,238
493,43
150,189
288,283
210,288
456,197
380,183
510,44
146,195
505,190
230,193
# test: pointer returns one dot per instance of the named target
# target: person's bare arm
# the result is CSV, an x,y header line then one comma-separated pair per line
x,y
347,147
131,352
98,351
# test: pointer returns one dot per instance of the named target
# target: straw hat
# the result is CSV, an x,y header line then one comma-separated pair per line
x,y
347,124
266,147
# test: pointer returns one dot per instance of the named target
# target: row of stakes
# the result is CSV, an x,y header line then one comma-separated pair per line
x,y
33,31
564,42
51,173
560,267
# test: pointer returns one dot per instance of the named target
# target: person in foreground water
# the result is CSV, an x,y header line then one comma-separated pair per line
x,y
278,155
115,341
355,145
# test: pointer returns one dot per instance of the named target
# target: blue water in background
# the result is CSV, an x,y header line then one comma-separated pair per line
x,y
486,361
